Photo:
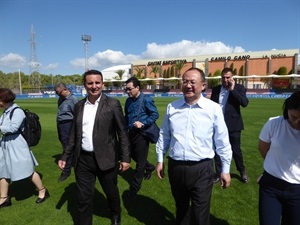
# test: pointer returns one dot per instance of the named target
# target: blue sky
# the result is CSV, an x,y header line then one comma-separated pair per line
x,y
127,30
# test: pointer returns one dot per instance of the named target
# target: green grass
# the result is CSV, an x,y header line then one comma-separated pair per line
x,y
154,206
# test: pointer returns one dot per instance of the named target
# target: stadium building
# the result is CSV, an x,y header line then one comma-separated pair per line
x,y
256,70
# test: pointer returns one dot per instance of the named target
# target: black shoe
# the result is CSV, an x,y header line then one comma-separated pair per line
x,y
6,203
63,177
244,177
40,200
116,220
148,174
216,179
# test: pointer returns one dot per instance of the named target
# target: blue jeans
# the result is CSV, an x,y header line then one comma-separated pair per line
x,y
278,201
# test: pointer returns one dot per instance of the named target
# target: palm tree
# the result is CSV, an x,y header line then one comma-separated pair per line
x,y
155,69
139,72
214,82
120,73
179,65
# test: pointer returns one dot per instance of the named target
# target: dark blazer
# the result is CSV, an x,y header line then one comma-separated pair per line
x,y
110,140
232,113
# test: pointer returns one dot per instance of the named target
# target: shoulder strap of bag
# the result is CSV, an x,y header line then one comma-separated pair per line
x,y
140,106
10,116
12,111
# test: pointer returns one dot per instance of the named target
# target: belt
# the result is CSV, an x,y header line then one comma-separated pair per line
x,y
188,163
64,121
82,152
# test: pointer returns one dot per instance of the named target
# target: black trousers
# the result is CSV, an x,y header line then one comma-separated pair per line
x,y
191,182
139,153
237,155
279,201
63,130
86,172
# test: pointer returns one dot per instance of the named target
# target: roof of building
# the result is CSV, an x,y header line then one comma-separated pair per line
x,y
110,73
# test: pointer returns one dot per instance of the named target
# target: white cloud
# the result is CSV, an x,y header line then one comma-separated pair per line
x,y
51,66
109,58
34,64
105,59
78,62
188,48
13,60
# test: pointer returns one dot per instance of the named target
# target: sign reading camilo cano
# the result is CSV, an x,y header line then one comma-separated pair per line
x,y
166,62
224,58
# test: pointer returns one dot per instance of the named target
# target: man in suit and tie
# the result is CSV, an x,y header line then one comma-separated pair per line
x,y
231,96
100,146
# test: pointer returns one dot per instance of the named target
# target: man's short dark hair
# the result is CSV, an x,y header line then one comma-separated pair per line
x,y
92,72
202,74
226,70
134,81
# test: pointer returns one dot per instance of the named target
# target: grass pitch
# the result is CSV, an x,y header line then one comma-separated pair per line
x,y
154,206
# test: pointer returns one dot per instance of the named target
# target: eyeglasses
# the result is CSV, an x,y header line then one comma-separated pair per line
x,y
129,89
193,83
59,92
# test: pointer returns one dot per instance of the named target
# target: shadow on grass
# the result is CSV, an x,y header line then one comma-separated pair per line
x,y
22,189
236,176
69,197
56,158
147,211
216,221
127,175
213,220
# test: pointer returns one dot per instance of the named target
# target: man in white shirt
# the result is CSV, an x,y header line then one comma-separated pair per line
x,y
193,129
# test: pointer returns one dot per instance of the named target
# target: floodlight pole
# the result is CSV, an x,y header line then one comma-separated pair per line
x,y
86,38
20,82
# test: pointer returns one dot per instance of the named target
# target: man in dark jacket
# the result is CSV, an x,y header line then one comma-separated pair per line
x,y
100,145
64,119
140,112
231,96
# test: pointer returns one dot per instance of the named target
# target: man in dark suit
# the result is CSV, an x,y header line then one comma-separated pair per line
x,y
231,96
99,142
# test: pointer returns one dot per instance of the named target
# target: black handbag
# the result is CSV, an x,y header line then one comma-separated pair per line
x,y
151,133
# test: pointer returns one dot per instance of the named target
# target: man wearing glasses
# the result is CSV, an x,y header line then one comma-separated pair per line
x,y
140,112
64,119
193,129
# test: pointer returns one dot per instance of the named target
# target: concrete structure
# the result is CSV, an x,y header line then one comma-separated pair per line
x,y
109,74
244,64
